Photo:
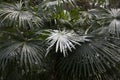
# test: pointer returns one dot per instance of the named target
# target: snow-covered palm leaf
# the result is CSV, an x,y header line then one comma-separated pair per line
x,y
113,13
114,27
64,40
17,14
90,59
26,53
23,50
113,18
110,18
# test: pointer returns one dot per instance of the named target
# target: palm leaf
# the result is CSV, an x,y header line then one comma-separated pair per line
x,y
110,18
16,14
26,50
64,40
92,59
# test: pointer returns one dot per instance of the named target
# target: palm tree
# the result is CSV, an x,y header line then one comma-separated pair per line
x,y
57,40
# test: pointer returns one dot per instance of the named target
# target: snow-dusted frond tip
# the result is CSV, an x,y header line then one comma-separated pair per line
x,y
114,26
114,12
112,17
64,41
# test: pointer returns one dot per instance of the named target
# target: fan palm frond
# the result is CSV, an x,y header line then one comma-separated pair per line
x,y
113,13
90,59
114,27
27,54
25,50
109,17
114,23
17,14
64,40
